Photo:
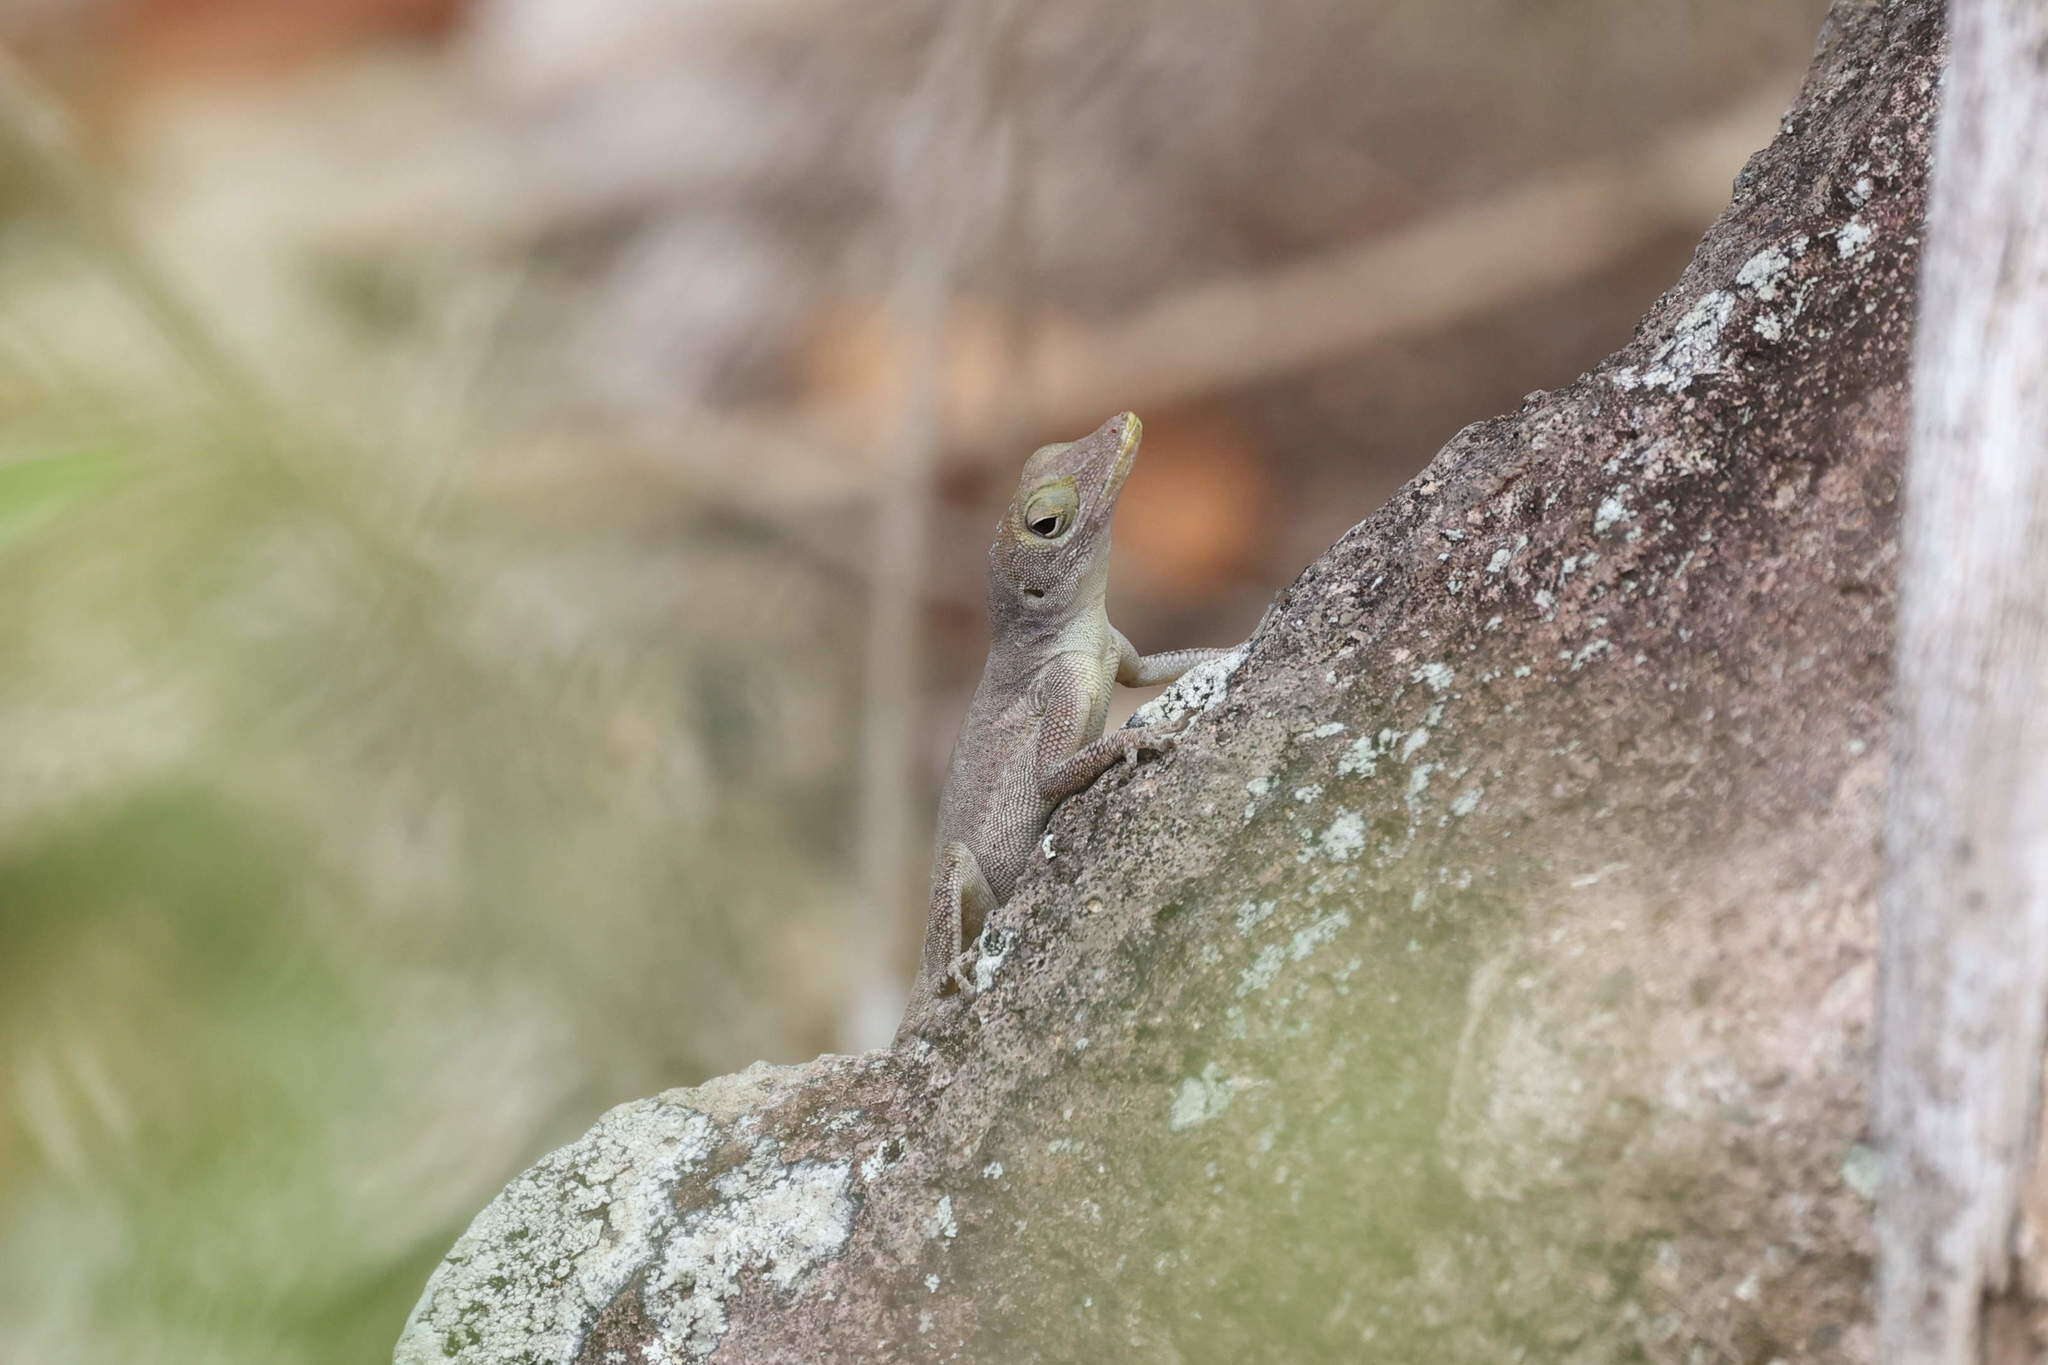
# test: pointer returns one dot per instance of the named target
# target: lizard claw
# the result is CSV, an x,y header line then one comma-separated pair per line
x,y
961,972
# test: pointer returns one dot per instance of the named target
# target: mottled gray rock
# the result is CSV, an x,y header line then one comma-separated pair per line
x,y
1487,975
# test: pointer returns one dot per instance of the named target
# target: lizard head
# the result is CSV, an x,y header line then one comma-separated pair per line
x,y
1051,553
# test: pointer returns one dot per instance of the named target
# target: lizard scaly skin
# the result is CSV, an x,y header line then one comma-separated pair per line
x,y
1033,734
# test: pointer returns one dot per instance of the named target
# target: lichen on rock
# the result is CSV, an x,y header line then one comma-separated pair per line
x,y
597,1231
561,1241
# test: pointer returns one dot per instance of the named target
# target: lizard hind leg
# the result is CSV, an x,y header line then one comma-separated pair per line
x,y
961,902
960,905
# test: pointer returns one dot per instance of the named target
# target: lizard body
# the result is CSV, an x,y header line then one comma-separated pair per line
x,y
1033,735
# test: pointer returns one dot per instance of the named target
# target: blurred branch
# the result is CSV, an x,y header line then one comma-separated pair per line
x,y
1447,268
943,160
1962,1274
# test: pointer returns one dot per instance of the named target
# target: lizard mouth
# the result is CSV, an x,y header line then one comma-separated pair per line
x,y
1126,456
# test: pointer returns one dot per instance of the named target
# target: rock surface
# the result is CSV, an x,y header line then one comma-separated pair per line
x,y
1486,976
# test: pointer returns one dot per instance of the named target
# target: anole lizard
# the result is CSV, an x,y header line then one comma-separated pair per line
x,y
1033,734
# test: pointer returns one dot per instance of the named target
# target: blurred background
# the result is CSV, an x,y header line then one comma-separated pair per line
x,y
492,505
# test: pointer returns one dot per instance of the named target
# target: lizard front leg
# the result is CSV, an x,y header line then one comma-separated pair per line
x,y
960,905
1151,670
1064,764
1061,780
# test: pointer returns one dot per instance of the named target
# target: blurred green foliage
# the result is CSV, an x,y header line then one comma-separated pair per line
x,y
362,833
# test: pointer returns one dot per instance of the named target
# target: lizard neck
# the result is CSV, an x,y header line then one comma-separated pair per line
x,y
1022,641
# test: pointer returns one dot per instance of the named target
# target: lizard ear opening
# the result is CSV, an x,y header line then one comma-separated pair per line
x,y
1034,592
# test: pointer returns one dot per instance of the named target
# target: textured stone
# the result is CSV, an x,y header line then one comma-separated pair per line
x,y
1489,969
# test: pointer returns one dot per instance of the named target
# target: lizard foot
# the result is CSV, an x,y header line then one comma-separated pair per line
x,y
960,974
1149,739
985,955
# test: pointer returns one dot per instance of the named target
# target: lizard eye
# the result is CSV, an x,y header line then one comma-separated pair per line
x,y
1050,511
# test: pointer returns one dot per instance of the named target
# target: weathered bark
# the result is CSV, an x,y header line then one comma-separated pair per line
x,y
1962,1269
1486,976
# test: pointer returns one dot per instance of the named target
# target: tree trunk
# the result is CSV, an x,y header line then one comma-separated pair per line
x,y
1487,975
1966,907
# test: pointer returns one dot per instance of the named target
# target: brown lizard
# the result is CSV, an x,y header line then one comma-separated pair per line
x,y
1033,734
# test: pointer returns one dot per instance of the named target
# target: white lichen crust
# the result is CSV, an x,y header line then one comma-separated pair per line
x,y
598,1218
561,1241
1198,689
776,1219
